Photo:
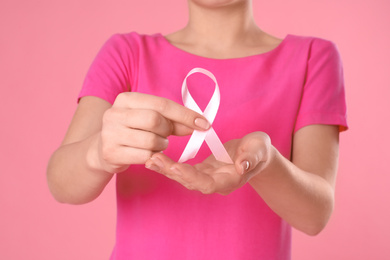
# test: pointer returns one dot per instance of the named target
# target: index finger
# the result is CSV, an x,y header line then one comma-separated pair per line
x,y
180,115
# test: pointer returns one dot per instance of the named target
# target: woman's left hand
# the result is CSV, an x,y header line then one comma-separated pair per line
x,y
250,155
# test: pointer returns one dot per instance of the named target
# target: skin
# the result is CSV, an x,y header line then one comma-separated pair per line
x,y
103,140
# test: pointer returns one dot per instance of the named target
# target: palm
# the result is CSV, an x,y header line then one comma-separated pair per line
x,y
212,176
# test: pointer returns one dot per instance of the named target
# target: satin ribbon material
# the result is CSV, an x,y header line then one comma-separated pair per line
x,y
209,113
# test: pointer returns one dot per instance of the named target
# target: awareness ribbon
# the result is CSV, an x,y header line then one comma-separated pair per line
x,y
209,113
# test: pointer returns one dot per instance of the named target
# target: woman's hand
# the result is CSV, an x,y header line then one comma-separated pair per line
x,y
301,193
250,155
137,126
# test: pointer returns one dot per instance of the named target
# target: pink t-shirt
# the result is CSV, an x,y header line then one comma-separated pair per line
x,y
298,83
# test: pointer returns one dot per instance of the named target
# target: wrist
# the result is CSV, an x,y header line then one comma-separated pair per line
x,y
274,157
92,155
270,165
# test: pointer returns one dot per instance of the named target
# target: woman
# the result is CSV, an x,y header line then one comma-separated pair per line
x,y
281,110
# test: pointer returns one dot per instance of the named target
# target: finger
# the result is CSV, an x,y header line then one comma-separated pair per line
x,y
252,152
185,174
141,139
142,119
119,158
179,114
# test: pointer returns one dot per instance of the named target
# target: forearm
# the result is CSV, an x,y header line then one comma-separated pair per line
x,y
305,200
71,174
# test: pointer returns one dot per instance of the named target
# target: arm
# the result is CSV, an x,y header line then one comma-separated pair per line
x,y
104,139
301,192
70,175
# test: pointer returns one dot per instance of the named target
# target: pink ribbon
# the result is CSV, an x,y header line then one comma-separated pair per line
x,y
209,113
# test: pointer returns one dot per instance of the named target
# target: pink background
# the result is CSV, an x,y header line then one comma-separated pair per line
x,y
46,47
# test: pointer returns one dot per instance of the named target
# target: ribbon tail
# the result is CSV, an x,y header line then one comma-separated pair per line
x,y
193,145
217,147
210,112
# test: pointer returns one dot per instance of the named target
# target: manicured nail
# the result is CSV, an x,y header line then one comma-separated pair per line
x,y
204,124
158,162
153,167
244,166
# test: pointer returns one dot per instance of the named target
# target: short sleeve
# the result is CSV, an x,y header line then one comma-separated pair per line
x,y
109,73
323,97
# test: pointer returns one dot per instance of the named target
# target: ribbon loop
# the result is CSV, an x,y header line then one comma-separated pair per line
x,y
197,137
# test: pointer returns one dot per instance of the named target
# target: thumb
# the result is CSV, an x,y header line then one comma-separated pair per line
x,y
252,152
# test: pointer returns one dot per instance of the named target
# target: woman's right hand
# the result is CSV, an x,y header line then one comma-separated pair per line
x,y
137,126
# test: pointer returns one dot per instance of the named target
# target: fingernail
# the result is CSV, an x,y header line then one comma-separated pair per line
x,y
244,166
158,162
175,171
204,124
153,167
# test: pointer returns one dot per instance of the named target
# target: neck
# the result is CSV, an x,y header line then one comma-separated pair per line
x,y
222,31
222,26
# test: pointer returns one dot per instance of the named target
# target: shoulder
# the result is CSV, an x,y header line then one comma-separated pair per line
x,y
312,50
309,40
129,46
313,45
132,39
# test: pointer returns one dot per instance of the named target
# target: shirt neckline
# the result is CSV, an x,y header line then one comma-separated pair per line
x,y
264,54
